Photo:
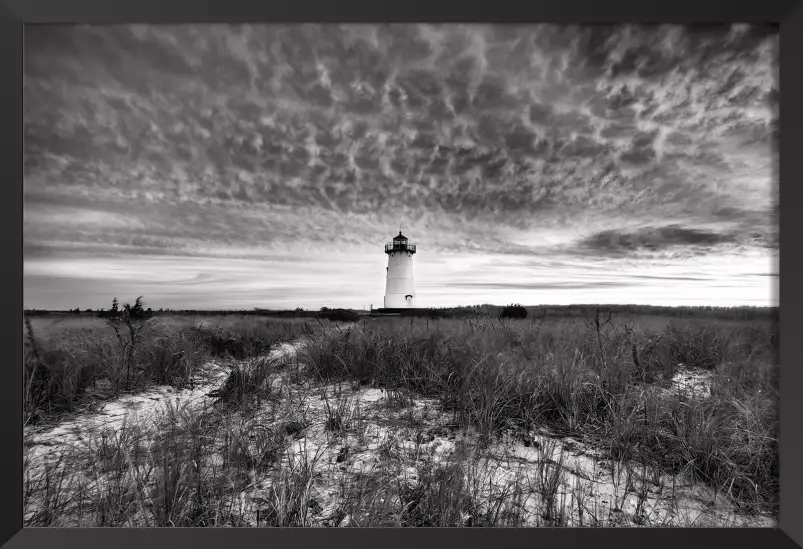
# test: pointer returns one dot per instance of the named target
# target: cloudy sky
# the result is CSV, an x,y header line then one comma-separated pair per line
x,y
218,166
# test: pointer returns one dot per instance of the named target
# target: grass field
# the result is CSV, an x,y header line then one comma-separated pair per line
x,y
560,419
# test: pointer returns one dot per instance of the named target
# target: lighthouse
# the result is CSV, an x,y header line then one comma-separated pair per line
x,y
400,287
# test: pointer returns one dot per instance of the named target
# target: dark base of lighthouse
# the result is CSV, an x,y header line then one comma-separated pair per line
x,y
407,311
418,312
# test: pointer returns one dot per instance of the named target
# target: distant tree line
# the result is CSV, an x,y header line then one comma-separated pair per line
x,y
137,310
587,311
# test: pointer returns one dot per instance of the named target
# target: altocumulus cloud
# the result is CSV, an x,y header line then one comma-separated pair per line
x,y
264,165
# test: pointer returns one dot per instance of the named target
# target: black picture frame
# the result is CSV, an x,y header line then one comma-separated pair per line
x,y
15,14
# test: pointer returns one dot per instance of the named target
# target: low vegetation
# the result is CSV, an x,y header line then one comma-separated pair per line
x,y
290,439
127,350
338,315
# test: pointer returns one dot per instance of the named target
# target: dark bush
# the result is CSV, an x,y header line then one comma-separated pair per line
x,y
513,311
339,315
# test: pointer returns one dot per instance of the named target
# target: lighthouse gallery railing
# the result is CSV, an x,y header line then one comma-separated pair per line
x,y
400,247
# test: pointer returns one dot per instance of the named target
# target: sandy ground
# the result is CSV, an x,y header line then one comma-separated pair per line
x,y
395,443
695,384
49,443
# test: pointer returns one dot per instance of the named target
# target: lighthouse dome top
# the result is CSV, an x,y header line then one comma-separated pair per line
x,y
399,244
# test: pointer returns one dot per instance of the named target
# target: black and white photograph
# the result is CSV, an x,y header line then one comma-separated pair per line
x,y
400,275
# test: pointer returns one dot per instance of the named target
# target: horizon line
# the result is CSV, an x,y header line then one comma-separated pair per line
x,y
564,306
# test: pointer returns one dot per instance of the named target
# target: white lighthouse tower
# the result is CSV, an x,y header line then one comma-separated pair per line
x,y
400,288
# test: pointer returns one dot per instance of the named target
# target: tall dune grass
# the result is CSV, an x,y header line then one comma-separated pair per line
x,y
606,381
596,379
91,358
